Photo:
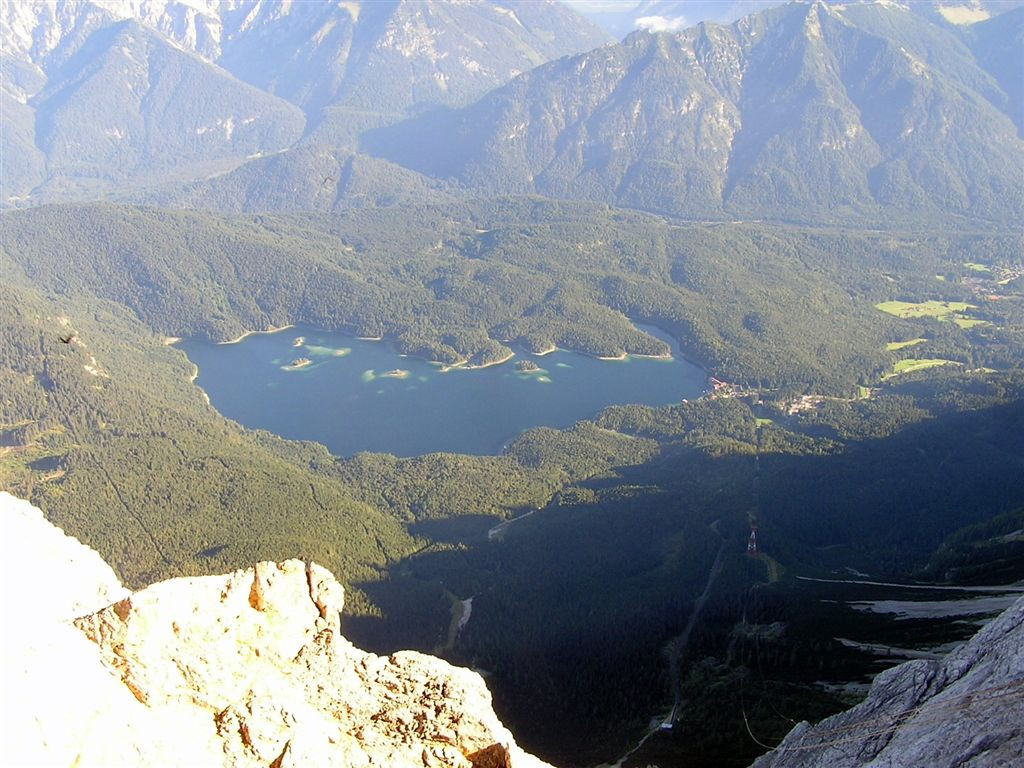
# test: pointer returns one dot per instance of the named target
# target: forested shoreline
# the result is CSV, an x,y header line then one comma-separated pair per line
x,y
822,389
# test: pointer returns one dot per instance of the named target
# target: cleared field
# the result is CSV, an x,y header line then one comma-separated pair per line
x,y
917,364
940,310
937,309
969,322
975,267
892,346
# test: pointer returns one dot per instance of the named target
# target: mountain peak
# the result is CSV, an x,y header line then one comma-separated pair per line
x,y
810,111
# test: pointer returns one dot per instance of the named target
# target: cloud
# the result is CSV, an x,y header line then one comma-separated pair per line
x,y
661,23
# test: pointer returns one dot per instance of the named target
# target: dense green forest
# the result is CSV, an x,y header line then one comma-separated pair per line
x,y
830,434
602,578
109,437
763,306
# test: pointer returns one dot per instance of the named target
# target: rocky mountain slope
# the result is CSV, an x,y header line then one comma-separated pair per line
x,y
810,111
99,92
966,710
94,103
246,669
315,54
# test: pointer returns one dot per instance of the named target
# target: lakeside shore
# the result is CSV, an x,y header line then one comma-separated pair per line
x,y
535,386
192,380
627,355
505,359
464,365
247,334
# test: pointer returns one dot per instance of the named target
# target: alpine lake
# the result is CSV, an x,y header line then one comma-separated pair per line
x,y
355,394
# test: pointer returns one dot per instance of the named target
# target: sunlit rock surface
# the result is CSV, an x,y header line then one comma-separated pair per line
x,y
245,669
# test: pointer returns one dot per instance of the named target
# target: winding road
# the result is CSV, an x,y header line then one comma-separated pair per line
x,y
676,647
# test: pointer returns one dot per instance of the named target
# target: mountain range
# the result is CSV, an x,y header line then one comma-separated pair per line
x,y
802,112
168,90
805,112
622,18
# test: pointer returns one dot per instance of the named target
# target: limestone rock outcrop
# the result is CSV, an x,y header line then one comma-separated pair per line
x,y
966,710
247,669
66,577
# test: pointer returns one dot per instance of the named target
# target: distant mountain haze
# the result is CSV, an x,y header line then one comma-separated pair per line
x,y
804,112
807,112
620,17
252,68
305,178
129,105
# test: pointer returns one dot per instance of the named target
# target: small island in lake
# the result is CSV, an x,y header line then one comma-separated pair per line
x,y
299,341
397,373
299,362
527,366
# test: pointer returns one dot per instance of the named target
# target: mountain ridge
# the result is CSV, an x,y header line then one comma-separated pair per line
x,y
804,112
317,72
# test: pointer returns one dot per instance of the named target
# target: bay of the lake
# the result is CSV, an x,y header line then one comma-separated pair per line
x,y
360,395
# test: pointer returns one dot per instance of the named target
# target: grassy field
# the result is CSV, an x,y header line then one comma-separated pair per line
x,y
892,346
940,310
969,322
917,364
17,462
937,309
975,267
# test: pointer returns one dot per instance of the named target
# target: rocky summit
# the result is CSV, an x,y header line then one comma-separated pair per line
x,y
244,669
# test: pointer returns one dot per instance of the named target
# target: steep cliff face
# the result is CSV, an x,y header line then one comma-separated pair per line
x,y
965,710
247,669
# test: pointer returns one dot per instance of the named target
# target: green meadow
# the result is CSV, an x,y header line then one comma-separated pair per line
x,y
940,310
937,309
917,364
892,346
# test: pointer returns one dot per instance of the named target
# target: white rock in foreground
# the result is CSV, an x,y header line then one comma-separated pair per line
x,y
47,575
247,669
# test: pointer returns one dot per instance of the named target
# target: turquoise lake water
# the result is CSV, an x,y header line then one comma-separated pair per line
x,y
344,400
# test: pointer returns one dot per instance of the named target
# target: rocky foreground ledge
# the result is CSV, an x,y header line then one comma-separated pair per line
x,y
247,669
966,710
251,669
